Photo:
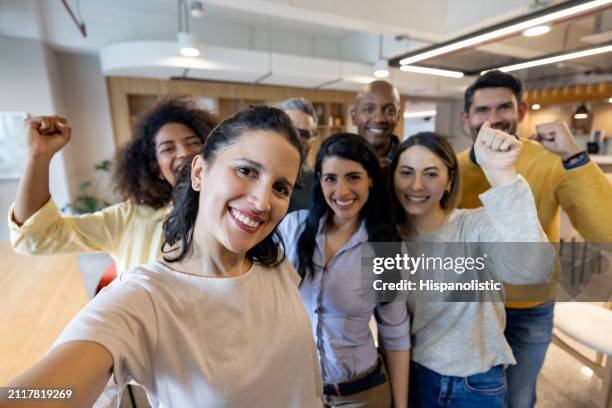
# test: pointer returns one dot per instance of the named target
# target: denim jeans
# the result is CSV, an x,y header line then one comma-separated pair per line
x,y
428,389
529,333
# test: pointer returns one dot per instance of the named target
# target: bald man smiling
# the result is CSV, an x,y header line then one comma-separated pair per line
x,y
376,114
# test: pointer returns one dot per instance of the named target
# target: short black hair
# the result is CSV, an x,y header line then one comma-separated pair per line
x,y
493,79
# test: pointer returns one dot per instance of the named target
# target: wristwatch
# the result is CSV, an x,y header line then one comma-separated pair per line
x,y
577,160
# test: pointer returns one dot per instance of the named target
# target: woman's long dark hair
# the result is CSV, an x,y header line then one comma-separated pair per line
x,y
136,169
178,228
439,146
375,211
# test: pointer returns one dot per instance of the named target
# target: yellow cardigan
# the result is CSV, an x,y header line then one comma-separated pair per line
x,y
131,233
584,193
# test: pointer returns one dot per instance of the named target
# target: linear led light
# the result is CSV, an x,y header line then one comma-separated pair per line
x,y
422,114
504,31
432,71
553,59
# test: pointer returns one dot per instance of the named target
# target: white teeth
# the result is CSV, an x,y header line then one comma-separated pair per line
x,y
347,202
417,199
376,130
244,219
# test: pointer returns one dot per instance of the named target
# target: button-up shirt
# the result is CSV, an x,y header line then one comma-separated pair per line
x,y
340,307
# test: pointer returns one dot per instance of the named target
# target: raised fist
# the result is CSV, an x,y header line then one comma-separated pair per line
x,y
496,153
46,135
496,149
556,138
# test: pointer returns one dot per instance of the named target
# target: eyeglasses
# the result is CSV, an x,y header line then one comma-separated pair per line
x,y
306,134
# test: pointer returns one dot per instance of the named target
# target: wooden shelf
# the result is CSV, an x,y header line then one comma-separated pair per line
x,y
130,97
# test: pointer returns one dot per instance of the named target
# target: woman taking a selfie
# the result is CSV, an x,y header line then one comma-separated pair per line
x,y
219,321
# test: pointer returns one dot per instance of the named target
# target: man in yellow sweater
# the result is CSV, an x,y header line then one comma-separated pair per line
x,y
560,175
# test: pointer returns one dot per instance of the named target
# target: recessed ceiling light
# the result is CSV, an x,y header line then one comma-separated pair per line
x,y
586,371
537,30
535,106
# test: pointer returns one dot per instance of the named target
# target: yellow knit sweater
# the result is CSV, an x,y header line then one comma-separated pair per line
x,y
584,193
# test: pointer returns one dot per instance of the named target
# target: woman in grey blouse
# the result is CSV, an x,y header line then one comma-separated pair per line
x,y
347,210
458,347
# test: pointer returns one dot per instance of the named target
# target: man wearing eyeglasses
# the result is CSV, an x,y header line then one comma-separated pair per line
x,y
304,118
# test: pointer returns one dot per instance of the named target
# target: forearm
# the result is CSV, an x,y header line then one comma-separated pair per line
x,y
498,178
398,371
65,367
33,191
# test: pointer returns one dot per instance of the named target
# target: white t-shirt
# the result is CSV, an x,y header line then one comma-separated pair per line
x,y
195,341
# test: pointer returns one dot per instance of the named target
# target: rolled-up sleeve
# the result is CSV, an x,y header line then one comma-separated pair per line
x,y
393,325
48,232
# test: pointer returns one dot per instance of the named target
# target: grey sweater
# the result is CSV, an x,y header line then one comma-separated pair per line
x,y
465,338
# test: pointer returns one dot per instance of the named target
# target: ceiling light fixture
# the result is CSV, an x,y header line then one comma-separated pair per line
x,y
541,17
609,100
431,71
536,31
582,112
188,42
196,9
381,67
554,58
421,114
536,106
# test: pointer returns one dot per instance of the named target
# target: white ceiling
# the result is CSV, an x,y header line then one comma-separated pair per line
x,y
333,33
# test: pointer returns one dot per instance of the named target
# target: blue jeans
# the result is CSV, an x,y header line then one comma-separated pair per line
x,y
428,389
529,333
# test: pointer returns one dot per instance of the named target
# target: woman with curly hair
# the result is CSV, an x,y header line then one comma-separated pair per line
x,y
131,231
218,321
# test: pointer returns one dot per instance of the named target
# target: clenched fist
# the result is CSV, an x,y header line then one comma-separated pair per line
x,y
46,135
496,153
556,138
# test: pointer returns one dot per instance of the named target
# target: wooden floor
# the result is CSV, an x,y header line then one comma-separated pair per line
x,y
39,295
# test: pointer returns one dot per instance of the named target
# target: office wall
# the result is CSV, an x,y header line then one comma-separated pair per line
x,y
83,91
27,84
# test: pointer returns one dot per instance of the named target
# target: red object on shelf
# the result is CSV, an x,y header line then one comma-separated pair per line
x,y
109,275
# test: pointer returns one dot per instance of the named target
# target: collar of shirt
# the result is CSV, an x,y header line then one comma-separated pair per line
x,y
360,236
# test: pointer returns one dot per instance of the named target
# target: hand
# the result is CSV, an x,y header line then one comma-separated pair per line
x,y
496,153
46,135
556,138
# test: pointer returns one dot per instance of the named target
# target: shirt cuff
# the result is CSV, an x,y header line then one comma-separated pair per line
x,y
40,219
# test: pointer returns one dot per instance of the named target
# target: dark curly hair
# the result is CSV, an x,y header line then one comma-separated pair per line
x,y
136,169
178,227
